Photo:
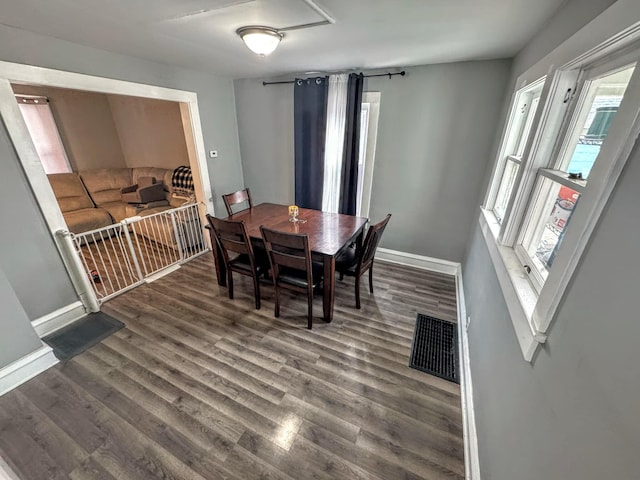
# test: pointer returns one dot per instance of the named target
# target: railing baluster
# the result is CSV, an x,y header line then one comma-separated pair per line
x,y
186,222
117,257
134,257
104,268
148,240
163,226
105,246
177,235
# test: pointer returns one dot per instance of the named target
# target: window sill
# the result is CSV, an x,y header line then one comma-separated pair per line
x,y
519,294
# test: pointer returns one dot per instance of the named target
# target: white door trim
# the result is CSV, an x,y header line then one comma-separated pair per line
x,y
373,99
19,134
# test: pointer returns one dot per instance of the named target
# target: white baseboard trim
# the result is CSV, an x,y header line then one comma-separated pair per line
x,y
26,368
59,318
417,261
6,473
471,458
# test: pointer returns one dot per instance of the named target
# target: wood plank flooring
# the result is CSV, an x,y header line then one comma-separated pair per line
x,y
198,386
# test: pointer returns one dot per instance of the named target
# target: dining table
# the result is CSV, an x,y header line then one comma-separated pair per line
x,y
329,234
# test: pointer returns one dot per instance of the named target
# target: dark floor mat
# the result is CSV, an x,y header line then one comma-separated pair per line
x,y
435,348
82,335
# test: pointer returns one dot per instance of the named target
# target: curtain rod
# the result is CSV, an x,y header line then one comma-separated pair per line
x,y
388,74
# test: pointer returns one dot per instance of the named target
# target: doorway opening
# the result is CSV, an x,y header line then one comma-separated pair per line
x,y
121,200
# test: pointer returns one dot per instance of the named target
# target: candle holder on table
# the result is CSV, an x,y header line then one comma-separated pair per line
x,y
293,214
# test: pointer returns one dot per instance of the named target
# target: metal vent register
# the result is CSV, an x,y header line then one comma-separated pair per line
x,y
435,348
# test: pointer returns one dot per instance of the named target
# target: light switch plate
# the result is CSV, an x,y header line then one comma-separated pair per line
x,y
213,154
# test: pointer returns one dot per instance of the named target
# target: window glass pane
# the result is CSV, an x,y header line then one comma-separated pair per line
x,y
554,207
594,118
526,129
46,139
506,186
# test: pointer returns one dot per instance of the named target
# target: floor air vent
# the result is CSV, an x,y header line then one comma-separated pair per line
x,y
435,348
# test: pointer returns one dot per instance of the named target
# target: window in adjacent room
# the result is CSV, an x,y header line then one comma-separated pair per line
x,y
44,133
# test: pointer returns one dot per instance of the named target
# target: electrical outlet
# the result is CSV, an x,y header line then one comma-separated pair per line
x,y
468,322
213,154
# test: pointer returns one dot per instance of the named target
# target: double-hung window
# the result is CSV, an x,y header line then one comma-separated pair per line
x,y
566,141
517,137
560,184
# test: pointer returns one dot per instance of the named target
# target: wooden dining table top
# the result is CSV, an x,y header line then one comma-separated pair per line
x,y
328,232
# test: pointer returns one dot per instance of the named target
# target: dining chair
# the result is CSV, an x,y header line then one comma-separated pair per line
x,y
235,198
354,262
232,237
291,266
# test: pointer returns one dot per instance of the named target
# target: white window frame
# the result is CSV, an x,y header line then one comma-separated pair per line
x,y
531,311
53,133
516,133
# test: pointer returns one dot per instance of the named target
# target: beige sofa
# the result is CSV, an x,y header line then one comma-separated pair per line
x,y
105,187
76,205
93,199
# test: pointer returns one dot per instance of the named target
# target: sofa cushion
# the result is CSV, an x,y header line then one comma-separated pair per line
x,y
86,219
118,210
105,185
150,211
69,191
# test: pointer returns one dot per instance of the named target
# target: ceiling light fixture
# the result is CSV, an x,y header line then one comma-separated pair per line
x,y
260,40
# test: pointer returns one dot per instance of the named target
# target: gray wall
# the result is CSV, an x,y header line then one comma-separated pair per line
x,y
27,254
435,134
14,319
571,414
573,15
265,124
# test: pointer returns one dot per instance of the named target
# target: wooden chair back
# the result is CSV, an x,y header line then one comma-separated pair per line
x,y
231,236
235,198
371,242
288,250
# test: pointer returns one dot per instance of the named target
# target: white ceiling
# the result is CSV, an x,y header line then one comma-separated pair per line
x,y
367,33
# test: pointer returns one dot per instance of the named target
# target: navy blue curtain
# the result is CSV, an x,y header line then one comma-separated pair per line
x,y
349,187
310,123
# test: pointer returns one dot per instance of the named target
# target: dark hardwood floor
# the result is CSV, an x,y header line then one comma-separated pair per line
x,y
199,386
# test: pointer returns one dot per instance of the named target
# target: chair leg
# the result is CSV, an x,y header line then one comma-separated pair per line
x,y
230,283
371,279
358,291
276,311
256,290
341,276
310,309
